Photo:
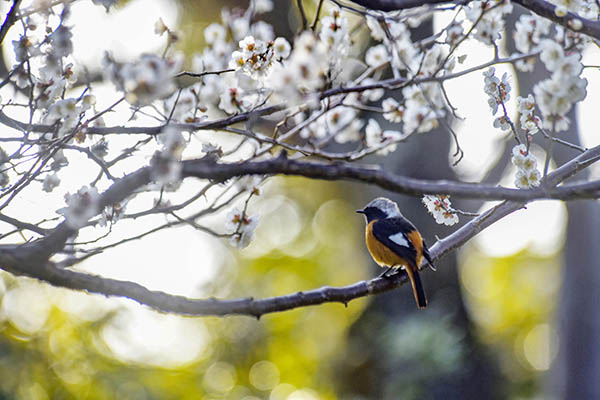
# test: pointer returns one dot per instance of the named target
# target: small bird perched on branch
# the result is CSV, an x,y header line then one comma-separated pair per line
x,y
394,242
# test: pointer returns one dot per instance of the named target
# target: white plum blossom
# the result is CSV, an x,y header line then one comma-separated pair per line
x,y
365,96
68,112
431,60
392,110
215,33
552,54
24,48
377,56
351,133
525,107
241,226
81,206
165,164
144,81
556,96
498,91
527,173
172,141
281,48
233,101
112,213
263,31
454,33
397,28
440,208
419,118
528,32
569,66
250,184
490,22
50,182
527,179
303,72
263,6
502,123
334,34
160,27
378,138
522,158
423,105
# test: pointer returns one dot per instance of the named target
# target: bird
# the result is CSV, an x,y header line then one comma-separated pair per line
x,y
394,242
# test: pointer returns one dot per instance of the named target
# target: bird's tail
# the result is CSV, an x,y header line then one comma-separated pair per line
x,y
417,286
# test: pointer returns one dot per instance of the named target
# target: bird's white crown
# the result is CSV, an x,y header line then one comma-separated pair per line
x,y
389,207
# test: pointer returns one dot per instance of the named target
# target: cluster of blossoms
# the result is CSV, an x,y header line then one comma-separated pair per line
x,y
252,62
422,104
555,96
238,223
585,8
81,206
440,208
397,46
68,113
378,138
304,72
258,51
498,91
529,122
244,66
148,79
166,165
489,19
527,173
341,123
241,226
255,56
528,33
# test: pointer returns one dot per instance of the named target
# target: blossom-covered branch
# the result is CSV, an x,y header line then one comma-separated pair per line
x,y
248,95
165,302
568,19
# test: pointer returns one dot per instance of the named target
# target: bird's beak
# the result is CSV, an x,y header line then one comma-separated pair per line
x,y
360,211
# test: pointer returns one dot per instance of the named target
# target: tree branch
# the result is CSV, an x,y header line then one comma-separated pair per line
x,y
32,259
539,7
10,19
165,302
207,169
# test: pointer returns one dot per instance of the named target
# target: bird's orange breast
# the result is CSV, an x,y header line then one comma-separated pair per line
x,y
382,254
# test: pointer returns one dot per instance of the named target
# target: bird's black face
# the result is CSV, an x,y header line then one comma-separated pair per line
x,y
372,213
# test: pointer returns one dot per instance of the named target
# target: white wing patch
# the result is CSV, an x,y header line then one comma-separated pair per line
x,y
399,239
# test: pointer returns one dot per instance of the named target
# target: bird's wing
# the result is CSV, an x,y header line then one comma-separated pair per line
x,y
392,232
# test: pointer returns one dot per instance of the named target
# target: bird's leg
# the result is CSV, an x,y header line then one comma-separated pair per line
x,y
385,274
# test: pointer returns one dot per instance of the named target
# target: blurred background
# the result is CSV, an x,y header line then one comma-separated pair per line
x,y
500,309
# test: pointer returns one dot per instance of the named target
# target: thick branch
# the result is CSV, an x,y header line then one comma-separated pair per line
x,y
181,305
25,260
539,7
396,183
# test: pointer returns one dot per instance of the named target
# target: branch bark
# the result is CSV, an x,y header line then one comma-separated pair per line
x,y
397,183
